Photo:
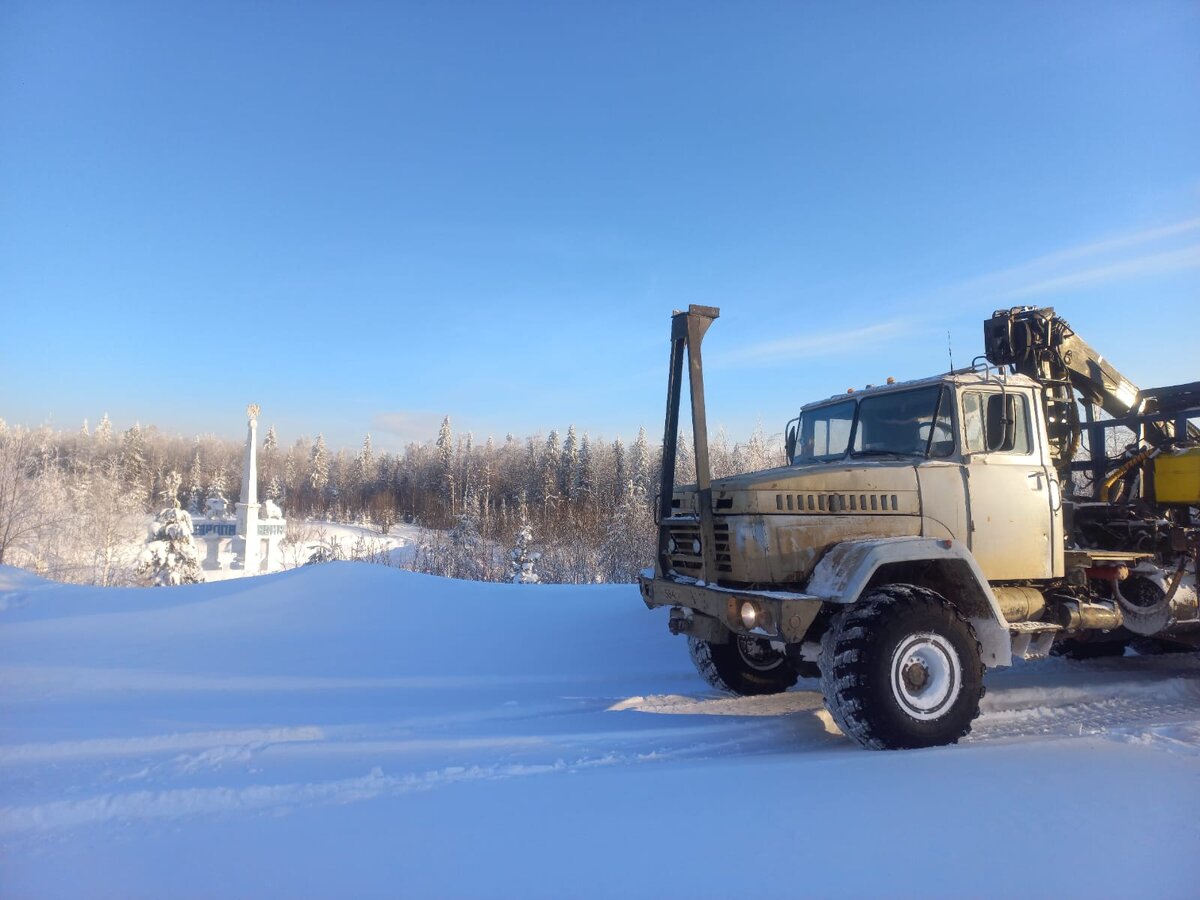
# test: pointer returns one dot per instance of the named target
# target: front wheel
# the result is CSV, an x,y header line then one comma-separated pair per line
x,y
900,669
742,665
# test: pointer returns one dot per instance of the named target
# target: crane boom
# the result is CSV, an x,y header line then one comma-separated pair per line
x,y
1039,343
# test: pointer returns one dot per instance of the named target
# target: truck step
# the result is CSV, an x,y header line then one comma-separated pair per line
x,y
1086,558
1032,640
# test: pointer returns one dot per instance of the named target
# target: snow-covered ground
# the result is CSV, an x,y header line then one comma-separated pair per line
x,y
350,730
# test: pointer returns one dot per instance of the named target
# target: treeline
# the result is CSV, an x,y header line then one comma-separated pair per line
x,y
587,501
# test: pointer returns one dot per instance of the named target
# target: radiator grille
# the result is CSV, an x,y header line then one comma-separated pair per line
x,y
686,560
721,534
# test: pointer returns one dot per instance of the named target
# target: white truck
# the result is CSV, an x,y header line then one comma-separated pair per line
x,y
924,531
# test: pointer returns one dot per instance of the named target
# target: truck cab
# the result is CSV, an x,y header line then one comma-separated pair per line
x,y
961,457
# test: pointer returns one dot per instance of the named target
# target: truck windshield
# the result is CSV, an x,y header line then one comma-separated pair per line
x,y
904,423
901,424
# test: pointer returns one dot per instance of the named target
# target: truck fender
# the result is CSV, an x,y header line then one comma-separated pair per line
x,y
843,573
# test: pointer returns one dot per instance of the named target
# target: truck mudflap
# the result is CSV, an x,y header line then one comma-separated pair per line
x,y
775,615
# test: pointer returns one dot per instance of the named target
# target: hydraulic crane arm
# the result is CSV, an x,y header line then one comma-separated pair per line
x,y
1039,343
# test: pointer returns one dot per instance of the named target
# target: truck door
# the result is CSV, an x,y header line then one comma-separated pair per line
x,y
1012,501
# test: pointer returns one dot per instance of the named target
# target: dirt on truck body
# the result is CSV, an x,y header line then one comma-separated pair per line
x,y
925,530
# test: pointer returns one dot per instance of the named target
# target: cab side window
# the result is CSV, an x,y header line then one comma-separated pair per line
x,y
995,422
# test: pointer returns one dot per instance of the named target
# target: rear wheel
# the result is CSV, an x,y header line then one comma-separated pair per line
x,y
901,668
743,665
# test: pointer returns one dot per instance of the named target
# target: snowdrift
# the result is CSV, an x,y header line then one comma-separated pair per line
x,y
354,730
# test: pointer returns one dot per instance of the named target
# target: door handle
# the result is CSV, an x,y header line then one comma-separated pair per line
x,y
1037,484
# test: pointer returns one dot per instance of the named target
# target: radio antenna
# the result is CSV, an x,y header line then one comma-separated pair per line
x,y
950,349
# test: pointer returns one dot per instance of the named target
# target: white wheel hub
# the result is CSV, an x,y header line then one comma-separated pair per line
x,y
758,654
926,675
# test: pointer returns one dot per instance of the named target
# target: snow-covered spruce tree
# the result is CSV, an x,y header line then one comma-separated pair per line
x,y
268,460
218,483
630,536
465,465
445,457
171,483
640,463
487,477
467,548
135,466
195,483
103,433
318,467
523,557
291,477
568,467
620,470
170,557
216,505
362,473
586,481
548,495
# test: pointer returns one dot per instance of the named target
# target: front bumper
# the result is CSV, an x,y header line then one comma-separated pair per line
x,y
780,615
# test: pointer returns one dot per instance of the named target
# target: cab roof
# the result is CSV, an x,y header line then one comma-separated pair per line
x,y
957,378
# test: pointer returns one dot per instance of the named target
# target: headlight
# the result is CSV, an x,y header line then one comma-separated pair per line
x,y
696,546
671,545
749,614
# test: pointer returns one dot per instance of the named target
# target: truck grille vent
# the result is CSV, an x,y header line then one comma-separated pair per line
x,y
686,561
721,536
837,503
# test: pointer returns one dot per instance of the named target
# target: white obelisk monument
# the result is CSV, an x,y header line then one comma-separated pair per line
x,y
247,507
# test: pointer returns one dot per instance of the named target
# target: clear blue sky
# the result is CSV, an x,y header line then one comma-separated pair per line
x,y
364,216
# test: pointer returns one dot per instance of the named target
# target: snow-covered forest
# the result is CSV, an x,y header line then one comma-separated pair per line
x,y
75,505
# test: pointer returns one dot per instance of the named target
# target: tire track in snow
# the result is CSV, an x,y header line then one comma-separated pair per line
x,y
1056,699
1151,704
175,803
1087,709
98,748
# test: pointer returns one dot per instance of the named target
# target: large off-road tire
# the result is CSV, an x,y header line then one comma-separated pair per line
x,y
901,668
744,666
